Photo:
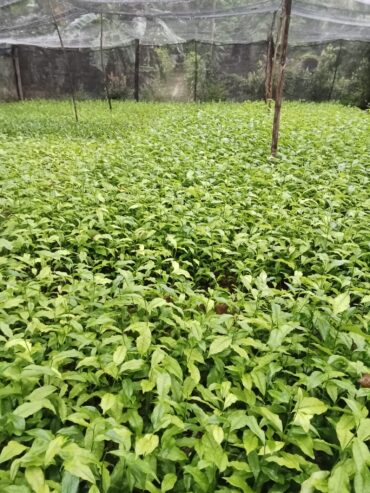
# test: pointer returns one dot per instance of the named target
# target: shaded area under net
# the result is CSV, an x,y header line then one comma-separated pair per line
x,y
190,71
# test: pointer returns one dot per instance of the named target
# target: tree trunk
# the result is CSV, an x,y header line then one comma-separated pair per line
x,y
287,10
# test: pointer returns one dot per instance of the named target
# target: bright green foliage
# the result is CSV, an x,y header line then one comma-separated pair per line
x,y
178,311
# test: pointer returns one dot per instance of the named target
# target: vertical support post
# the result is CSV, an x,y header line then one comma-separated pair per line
x,y
137,70
213,32
102,63
337,62
17,72
277,51
287,11
68,68
270,62
195,70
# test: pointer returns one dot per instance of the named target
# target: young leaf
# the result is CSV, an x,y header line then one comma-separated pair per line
x,y
219,344
339,479
218,434
35,478
168,482
107,402
119,355
80,470
341,303
12,449
147,444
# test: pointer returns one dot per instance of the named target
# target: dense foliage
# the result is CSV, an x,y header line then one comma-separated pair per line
x,y
179,312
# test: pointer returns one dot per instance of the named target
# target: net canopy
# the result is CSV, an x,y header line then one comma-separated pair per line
x,y
92,23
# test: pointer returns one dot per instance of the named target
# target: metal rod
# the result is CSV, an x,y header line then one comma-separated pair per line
x,y
137,70
337,62
103,65
287,10
17,72
195,70
68,68
270,62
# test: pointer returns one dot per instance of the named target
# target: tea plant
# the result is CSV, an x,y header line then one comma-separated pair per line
x,y
179,312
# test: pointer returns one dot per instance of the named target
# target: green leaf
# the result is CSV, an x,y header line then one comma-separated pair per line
x,y
70,483
119,355
143,342
250,441
53,449
237,420
341,303
27,409
363,431
218,434
156,303
107,402
132,365
316,482
306,409
361,454
5,244
5,329
12,449
147,444
168,482
77,468
271,418
178,271
289,461
163,384
219,344
259,380
252,424
41,393
199,477
339,479
343,429
35,478
94,489
238,480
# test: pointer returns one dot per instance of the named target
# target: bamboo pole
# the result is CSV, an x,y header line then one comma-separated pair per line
x,y
137,70
102,63
213,32
17,72
287,10
277,51
195,70
270,62
68,68
337,62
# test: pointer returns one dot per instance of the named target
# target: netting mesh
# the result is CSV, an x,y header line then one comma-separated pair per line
x,y
188,50
33,22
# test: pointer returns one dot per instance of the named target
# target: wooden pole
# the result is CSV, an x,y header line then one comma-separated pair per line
x,y
337,62
287,11
68,68
195,70
102,64
137,70
17,72
270,62
213,32
277,51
